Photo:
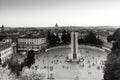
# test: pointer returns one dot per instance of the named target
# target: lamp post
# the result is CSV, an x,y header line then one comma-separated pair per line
x,y
49,69
47,64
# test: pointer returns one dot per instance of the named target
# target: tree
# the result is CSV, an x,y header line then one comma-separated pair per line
x,y
48,36
0,58
81,40
91,38
99,42
109,38
14,66
112,65
30,59
57,38
63,37
66,37
54,40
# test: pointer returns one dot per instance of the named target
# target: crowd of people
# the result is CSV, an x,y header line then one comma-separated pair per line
x,y
94,58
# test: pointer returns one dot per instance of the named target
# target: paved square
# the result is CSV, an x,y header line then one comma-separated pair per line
x,y
90,69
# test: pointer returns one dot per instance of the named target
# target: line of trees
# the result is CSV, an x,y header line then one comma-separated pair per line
x,y
112,64
15,67
54,39
91,39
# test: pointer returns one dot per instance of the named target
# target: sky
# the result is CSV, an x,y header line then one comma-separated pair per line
x,y
46,13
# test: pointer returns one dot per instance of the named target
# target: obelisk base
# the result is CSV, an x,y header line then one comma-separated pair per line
x,y
72,58
74,55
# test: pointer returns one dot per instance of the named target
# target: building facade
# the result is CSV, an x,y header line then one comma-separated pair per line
x,y
82,35
31,43
6,51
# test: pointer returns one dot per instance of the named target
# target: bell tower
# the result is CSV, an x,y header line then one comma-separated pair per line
x,y
2,33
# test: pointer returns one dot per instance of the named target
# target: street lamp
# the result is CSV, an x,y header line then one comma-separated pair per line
x,y
50,68
47,63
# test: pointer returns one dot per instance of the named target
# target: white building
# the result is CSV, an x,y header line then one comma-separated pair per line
x,y
6,51
31,43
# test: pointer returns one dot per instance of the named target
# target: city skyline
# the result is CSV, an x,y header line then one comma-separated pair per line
x,y
46,13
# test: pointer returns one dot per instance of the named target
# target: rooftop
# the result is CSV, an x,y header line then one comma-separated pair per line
x,y
32,36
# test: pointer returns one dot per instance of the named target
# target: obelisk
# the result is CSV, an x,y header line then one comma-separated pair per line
x,y
74,44
74,55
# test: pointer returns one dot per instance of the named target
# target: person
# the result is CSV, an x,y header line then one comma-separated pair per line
x,y
76,78
98,67
83,65
63,66
93,64
89,66
89,73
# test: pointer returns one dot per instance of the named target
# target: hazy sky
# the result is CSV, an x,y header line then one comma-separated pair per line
x,y
64,12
